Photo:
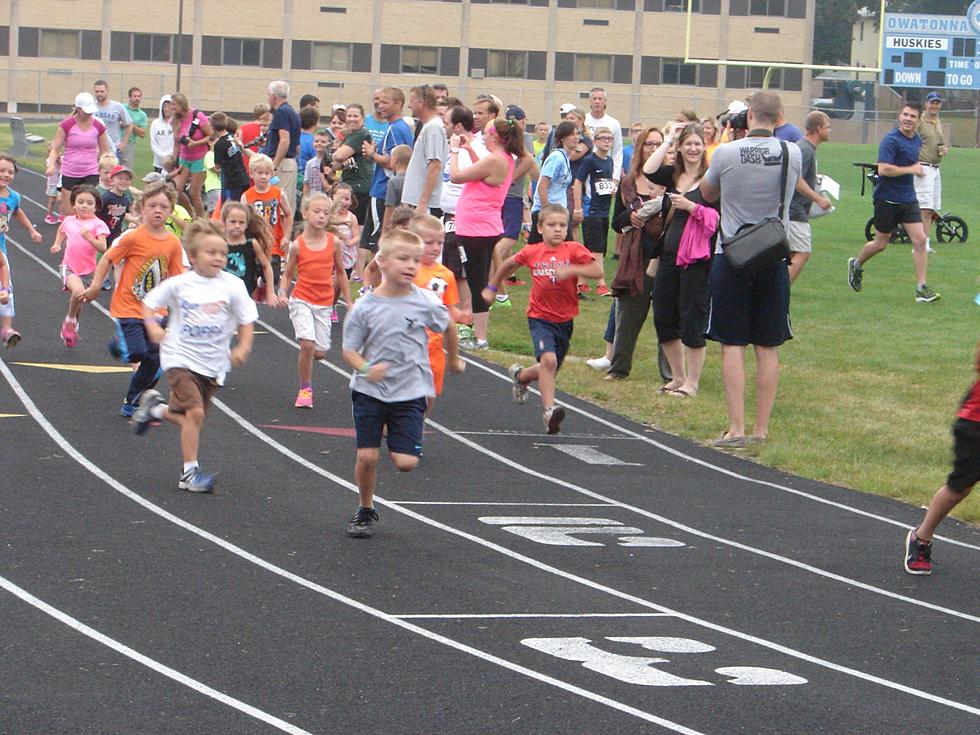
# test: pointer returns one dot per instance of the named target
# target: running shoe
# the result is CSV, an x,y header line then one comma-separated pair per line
x,y
503,301
855,275
362,524
69,332
918,555
519,388
127,410
925,295
553,416
603,290
464,332
10,338
107,283
51,219
195,480
114,348
334,316
599,363
304,399
476,344
142,418
515,281
583,288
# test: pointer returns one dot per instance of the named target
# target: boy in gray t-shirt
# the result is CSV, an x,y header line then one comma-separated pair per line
x,y
387,345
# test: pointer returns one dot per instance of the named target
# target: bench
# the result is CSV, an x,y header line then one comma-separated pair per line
x,y
22,139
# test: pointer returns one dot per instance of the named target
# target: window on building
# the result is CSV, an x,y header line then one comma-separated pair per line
x,y
593,68
675,71
151,47
419,60
59,44
241,52
767,7
608,4
507,64
680,6
331,56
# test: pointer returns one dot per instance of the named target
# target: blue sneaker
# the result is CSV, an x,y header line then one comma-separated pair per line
x,y
127,410
142,419
114,349
195,480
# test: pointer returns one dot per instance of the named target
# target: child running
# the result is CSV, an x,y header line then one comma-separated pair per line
x,y
386,344
555,265
151,254
315,259
272,206
249,244
346,226
437,280
207,307
10,209
83,235
965,474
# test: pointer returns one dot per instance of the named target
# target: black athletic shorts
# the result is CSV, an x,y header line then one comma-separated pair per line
x,y
888,215
966,456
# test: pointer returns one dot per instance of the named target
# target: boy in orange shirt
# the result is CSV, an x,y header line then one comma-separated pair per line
x,y
151,254
555,265
437,279
272,205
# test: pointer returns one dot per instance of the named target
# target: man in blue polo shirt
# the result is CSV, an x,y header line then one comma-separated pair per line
x,y
896,203
282,145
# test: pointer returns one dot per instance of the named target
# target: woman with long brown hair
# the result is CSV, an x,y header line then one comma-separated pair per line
x,y
192,135
478,212
680,289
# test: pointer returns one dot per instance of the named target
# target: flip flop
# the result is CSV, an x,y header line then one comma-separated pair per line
x,y
681,393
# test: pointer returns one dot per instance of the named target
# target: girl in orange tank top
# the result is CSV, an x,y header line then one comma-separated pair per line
x,y
316,261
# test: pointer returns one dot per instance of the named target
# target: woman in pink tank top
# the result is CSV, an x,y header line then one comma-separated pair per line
x,y
80,139
478,212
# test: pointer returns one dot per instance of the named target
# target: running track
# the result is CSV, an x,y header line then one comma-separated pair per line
x,y
513,586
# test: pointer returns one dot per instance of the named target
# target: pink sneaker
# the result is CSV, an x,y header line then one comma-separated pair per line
x,y
10,337
52,219
304,399
334,316
69,332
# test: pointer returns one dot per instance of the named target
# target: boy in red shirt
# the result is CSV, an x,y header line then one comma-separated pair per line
x,y
555,265
965,474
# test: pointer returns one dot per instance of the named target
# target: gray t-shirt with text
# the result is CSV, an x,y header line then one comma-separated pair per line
x,y
115,118
392,330
748,171
431,145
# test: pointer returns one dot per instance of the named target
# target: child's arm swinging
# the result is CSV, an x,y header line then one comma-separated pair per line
x,y
59,239
21,217
286,279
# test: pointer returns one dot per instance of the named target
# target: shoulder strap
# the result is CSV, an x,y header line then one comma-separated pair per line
x,y
783,176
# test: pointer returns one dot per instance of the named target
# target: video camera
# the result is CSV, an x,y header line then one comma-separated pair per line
x,y
738,120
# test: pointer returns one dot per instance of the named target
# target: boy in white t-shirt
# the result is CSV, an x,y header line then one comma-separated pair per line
x,y
207,306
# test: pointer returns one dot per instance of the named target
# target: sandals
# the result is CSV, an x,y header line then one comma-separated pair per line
x,y
729,442
681,393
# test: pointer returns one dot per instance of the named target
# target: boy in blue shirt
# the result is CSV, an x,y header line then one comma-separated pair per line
x,y
896,203
593,192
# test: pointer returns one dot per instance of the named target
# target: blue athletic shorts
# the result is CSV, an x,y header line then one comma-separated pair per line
x,y
512,215
550,337
404,420
748,310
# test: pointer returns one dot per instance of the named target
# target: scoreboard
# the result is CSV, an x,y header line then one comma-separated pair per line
x,y
934,51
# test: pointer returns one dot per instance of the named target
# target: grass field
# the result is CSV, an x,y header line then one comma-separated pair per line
x,y
868,387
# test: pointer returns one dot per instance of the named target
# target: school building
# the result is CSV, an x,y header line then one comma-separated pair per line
x,y
535,53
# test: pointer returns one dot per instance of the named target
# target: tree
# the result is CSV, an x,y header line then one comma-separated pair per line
x,y
832,31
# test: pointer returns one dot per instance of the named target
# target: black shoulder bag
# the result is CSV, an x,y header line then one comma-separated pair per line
x,y
758,246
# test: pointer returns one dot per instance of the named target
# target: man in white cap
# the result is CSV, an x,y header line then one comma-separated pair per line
x,y
598,118
929,186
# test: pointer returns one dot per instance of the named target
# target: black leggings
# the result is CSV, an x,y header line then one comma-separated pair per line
x,y
479,256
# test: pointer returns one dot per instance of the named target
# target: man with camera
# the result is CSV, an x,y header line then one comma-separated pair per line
x,y
750,309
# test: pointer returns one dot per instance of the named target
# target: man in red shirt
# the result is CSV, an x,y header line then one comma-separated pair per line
x,y
555,265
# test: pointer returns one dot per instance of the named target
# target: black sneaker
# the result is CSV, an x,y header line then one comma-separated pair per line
x,y
918,555
925,295
361,525
855,275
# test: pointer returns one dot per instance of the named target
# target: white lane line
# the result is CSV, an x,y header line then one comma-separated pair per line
x,y
60,440
470,537
628,433
589,454
504,616
529,505
661,519
149,662
542,435
724,471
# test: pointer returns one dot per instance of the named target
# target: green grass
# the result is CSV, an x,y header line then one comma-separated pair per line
x,y
868,387
870,384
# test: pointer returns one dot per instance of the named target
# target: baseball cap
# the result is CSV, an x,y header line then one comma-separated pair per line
x,y
152,177
736,107
933,97
514,112
566,108
339,106
119,169
86,103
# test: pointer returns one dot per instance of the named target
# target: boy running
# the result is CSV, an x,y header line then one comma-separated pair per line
x,y
387,344
555,265
207,307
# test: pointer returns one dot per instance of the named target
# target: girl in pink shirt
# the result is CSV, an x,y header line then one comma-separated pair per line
x,y
83,235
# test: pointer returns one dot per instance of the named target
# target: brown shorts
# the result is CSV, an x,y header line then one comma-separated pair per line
x,y
189,390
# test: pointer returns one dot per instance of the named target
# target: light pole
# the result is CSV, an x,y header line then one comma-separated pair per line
x,y
180,39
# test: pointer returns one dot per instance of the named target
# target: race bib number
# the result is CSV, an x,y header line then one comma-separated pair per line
x,y
605,187
450,225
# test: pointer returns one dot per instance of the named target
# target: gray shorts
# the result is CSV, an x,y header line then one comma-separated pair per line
x,y
799,237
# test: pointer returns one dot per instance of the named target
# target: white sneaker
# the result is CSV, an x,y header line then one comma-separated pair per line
x,y
598,363
553,416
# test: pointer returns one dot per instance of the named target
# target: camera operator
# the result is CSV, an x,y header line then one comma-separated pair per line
x,y
745,174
